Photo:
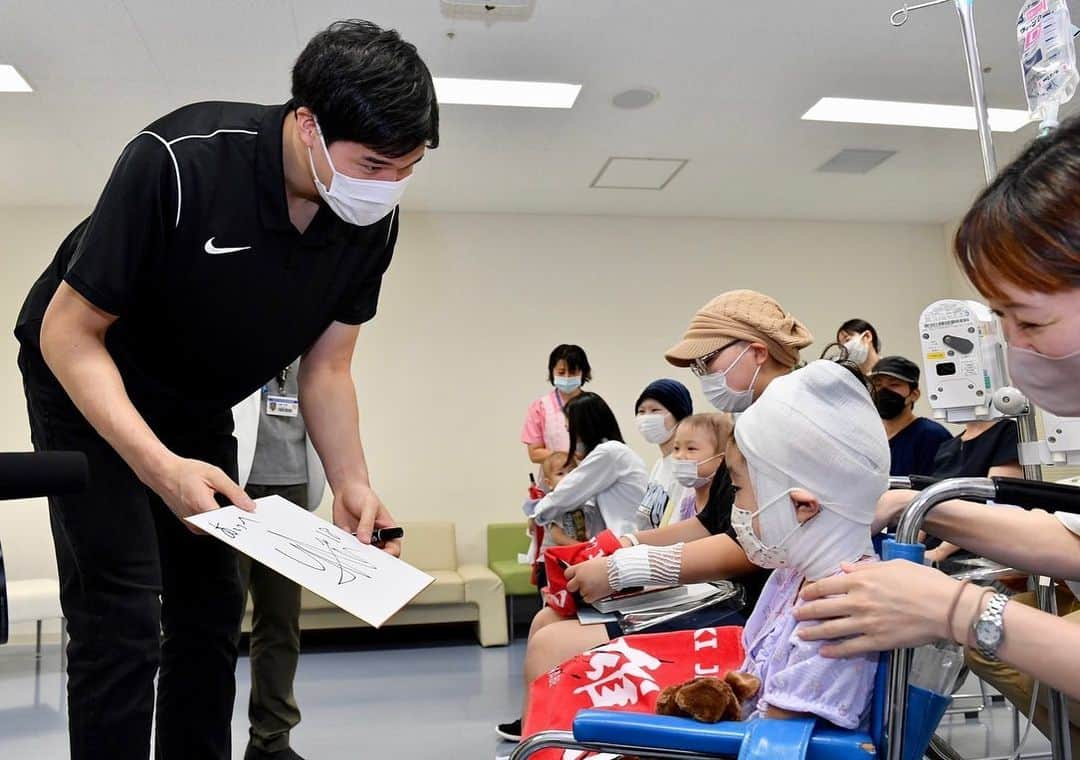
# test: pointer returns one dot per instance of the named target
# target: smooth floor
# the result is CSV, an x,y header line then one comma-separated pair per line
x,y
403,701
384,698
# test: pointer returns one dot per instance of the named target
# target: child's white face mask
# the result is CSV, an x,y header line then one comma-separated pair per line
x,y
757,551
815,547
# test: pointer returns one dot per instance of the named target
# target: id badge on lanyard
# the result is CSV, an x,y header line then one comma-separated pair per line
x,y
281,404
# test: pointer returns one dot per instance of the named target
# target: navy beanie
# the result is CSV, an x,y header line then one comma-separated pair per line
x,y
671,394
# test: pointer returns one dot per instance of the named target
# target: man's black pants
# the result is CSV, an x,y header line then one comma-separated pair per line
x,y
142,595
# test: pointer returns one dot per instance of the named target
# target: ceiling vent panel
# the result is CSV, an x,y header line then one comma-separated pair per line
x,y
626,173
856,161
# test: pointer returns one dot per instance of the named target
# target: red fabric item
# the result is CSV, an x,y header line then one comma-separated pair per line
x,y
558,558
628,673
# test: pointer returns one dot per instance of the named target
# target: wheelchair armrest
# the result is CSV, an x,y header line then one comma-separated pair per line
x,y
598,727
662,731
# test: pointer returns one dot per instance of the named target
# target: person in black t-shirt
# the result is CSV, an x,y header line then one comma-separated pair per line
x,y
913,441
986,449
230,239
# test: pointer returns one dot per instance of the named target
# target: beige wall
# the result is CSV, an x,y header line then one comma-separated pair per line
x,y
960,286
474,303
28,238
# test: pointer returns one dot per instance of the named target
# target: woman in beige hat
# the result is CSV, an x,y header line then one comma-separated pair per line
x,y
737,344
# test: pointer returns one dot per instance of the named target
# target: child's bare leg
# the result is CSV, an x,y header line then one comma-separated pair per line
x,y
556,643
542,619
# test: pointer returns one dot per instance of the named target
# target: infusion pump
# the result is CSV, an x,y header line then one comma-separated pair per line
x,y
966,379
963,351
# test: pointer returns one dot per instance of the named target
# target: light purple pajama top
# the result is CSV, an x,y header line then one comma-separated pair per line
x,y
793,675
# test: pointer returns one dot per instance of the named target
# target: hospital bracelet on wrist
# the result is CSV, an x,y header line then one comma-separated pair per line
x,y
612,575
645,566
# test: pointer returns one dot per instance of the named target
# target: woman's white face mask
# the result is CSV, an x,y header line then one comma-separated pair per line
x,y
857,350
724,397
362,202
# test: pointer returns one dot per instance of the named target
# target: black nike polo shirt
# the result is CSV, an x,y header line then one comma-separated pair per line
x,y
191,247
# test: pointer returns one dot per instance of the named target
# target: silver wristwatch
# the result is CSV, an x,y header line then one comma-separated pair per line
x,y
989,629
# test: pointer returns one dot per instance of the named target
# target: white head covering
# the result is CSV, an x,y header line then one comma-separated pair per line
x,y
816,429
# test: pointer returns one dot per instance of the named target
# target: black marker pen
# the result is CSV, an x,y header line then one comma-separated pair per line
x,y
382,535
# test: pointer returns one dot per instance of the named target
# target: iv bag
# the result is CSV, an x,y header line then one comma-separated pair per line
x,y
1044,33
935,667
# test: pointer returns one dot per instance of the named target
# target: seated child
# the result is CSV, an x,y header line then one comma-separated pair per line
x,y
698,461
568,528
575,525
809,461
608,473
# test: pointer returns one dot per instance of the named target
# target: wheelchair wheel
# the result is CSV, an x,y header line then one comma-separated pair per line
x,y
940,749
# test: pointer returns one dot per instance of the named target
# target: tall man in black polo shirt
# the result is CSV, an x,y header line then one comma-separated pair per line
x,y
229,239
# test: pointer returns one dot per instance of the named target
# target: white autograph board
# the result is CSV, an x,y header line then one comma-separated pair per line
x,y
360,579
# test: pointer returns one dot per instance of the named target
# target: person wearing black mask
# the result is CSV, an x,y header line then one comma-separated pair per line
x,y
913,440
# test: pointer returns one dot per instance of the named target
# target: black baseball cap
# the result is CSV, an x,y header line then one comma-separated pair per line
x,y
898,367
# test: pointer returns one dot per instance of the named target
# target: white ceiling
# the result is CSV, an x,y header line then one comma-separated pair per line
x,y
734,78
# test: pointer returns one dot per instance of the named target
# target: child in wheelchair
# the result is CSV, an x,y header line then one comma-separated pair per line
x,y
808,461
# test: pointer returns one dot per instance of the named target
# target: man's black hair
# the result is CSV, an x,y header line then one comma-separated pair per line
x,y
367,85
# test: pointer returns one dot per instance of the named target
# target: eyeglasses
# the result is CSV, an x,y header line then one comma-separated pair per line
x,y
700,367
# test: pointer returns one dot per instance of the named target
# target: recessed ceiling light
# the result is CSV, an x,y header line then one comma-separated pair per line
x,y
638,97
932,115
12,81
500,92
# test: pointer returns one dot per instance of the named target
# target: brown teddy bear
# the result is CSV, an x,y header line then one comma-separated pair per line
x,y
709,700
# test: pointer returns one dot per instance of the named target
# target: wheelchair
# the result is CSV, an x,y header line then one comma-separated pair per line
x,y
903,717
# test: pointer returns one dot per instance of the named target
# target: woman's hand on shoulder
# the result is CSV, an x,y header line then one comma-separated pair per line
x,y
876,606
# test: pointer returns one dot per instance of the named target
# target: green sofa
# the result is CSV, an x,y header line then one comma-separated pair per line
x,y
505,541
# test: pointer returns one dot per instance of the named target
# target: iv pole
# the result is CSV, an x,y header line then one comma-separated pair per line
x,y
966,11
1059,711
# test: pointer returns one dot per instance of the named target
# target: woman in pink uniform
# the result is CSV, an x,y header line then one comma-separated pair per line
x,y
544,431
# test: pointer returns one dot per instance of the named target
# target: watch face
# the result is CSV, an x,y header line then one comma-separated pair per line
x,y
988,634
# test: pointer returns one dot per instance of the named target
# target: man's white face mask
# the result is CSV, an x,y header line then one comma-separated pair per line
x,y
362,202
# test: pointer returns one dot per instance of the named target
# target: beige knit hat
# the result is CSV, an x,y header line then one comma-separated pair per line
x,y
742,315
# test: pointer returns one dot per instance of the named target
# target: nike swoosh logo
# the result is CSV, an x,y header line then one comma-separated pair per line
x,y
213,249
